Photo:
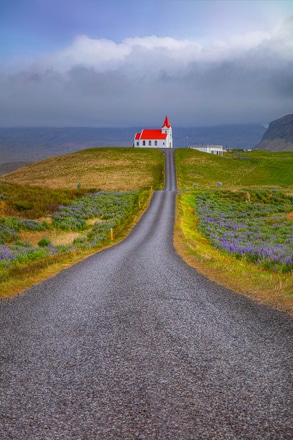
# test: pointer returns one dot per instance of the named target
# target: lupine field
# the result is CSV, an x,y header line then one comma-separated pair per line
x,y
93,216
55,212
255,225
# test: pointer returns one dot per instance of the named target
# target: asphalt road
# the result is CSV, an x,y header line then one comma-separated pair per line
x,y
132,343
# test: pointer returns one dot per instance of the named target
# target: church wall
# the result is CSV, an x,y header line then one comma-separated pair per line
x,y
150,143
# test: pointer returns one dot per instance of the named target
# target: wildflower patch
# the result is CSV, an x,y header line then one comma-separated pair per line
x,y
251,224
107,210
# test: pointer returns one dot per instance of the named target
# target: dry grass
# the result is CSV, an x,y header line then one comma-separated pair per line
x,y
2,208
56,237
22,279
107,169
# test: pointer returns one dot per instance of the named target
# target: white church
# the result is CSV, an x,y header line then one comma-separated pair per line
x,y
158,138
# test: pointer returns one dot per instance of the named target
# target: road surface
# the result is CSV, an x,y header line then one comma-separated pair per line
x,y
132,343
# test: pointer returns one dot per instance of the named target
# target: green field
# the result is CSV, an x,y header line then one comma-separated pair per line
x,y
237,169
234,220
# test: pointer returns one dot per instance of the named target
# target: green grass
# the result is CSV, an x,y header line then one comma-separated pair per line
x,y
238,172
237,169
270,169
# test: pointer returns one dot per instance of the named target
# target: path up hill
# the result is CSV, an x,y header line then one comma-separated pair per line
x,y
279,135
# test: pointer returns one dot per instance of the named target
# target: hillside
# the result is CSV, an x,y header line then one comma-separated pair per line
x,y
11,166
279,135
33,144
256,168
108,169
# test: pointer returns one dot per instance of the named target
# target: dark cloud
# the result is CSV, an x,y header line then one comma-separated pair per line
x,y
90,82
282,83
136,82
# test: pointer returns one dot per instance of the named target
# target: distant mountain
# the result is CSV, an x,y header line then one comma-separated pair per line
x,y
279,135
11,166
34,144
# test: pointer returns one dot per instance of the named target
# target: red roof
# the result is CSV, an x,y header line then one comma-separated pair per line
x,y
151,134
137,136
166,123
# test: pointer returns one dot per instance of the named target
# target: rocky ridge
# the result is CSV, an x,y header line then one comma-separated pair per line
x,y
279,135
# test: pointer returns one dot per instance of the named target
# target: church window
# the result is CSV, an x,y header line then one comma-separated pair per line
x,y
143,143
150,143
156,143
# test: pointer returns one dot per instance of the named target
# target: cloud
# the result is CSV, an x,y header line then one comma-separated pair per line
x,y
100,82
101,54
140,51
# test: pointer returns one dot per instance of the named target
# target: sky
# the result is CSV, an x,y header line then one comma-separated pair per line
x,y
129,63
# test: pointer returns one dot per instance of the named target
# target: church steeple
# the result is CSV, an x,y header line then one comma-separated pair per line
x,y
166,128
166,123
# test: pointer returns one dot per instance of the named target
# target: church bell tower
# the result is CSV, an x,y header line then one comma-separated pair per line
x,y
166,128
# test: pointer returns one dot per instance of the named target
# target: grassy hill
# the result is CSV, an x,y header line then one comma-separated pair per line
x,y
236,169
108,169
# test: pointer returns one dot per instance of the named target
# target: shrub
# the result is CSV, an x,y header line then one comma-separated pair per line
x,y
44,242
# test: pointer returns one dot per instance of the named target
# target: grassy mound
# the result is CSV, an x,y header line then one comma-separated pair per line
x,y
107,169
